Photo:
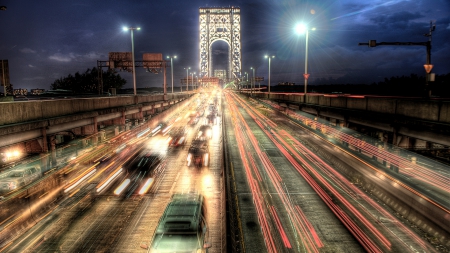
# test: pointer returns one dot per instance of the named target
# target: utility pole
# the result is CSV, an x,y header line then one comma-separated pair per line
x,y
428,66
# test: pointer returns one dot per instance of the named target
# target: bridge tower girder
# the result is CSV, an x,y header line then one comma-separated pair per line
x,y
220,23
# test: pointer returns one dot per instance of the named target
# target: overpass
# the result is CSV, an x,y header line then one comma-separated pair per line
x,y
37,126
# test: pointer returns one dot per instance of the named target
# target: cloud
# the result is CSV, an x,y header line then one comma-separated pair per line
x,y
31,66
399,20
27,51
62,58
75,57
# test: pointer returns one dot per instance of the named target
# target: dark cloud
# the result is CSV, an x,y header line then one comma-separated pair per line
x,y
399,20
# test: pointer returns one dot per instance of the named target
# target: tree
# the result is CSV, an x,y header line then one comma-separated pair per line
x,y
87,82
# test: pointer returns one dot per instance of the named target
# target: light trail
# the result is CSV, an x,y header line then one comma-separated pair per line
x,y
353,191
276,181
354,229
122,187
444,184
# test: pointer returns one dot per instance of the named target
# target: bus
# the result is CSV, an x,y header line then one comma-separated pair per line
x,y
182,227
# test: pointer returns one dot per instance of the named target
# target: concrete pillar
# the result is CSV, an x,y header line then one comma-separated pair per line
x,y
95,125
94,139
84,143
44,158
394,136
402,141
53,153
102,136
44,140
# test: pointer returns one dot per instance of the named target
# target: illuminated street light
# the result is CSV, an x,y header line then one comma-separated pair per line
x,y
171,66
197,80
187,78
192,77
268,84
301,29
132,54
253,80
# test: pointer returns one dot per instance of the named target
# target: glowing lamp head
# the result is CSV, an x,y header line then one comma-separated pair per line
x,y
300,28
125,28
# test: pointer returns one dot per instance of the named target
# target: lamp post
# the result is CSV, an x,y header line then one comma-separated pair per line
x,y
300,29
132,54
246,82
171,67
253,80
266,56
187,78
192,77
197,84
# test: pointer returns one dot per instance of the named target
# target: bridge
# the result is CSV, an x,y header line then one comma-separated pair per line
x,y
270,159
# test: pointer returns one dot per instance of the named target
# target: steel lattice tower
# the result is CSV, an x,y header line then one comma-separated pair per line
x,y
220,23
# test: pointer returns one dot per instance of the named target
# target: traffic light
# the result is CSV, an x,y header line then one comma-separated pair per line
x,y
372,43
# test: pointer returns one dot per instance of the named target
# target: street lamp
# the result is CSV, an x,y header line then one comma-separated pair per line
x,y
266,56
187,78
132,54
171,66
246,82
197,84
192,77
253,80
301,29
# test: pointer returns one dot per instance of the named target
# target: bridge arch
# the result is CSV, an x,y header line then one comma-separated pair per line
x,y
220,23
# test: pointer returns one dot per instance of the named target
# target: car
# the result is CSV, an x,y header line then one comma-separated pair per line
x,y
204,132
19,177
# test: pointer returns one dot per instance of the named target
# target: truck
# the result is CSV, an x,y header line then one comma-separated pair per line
x,y
198,153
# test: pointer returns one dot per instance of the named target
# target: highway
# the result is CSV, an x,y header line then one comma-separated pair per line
x,y
95,216
290,189
280,160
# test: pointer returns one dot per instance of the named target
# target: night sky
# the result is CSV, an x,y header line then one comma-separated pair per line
x,y
48,39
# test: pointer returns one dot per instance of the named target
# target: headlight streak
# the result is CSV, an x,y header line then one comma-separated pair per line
x,y
156,129
344,184
146,186
122,186
79,181
166,130
143,132
180,141
101,171
205,160
104,184
81,177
